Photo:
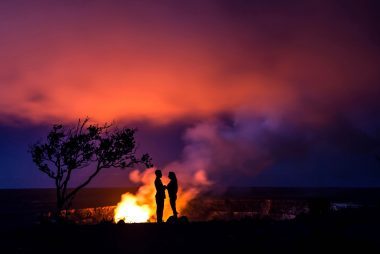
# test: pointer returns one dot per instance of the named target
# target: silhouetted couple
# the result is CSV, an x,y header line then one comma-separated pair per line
x,y
172,188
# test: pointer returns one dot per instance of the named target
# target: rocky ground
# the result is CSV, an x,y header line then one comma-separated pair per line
x,y
351,230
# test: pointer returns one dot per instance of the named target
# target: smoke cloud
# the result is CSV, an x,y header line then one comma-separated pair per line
x,y
258,86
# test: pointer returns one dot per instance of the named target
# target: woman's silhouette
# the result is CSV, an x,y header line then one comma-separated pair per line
x,y
172,188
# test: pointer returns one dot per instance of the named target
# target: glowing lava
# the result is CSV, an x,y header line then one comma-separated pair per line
x,y
130,211
141,207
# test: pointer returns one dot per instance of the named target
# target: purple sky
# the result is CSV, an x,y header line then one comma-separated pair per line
x,y
270,93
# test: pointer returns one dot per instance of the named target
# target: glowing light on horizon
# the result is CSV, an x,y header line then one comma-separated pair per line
x,y
141,207
130,211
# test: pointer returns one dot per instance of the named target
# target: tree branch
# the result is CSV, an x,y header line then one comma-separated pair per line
x,y
71,194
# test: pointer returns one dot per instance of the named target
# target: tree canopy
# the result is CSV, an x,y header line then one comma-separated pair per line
x,y
68,149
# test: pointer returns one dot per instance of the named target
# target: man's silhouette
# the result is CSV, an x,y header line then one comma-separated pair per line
x,y
160,195
172,190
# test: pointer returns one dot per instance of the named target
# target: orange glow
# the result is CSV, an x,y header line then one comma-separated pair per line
x,y
133,61
142,206
130,211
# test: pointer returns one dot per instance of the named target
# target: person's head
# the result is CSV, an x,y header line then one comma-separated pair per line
x,y
158,173
172,176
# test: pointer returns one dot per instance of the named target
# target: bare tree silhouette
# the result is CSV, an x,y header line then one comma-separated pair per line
x,y
69,149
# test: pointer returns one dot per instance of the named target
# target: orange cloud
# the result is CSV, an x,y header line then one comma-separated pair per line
x,y
140,61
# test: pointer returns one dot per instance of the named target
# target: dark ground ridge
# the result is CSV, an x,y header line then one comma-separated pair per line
x,y
353,230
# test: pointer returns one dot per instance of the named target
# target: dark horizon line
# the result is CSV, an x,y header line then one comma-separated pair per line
x,y
229,187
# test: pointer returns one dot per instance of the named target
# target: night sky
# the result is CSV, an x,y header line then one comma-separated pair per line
x,y
255,93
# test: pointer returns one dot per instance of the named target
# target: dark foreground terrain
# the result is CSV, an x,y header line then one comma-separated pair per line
x,y
350,230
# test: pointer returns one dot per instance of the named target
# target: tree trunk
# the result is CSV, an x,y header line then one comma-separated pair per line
x,y
60,205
